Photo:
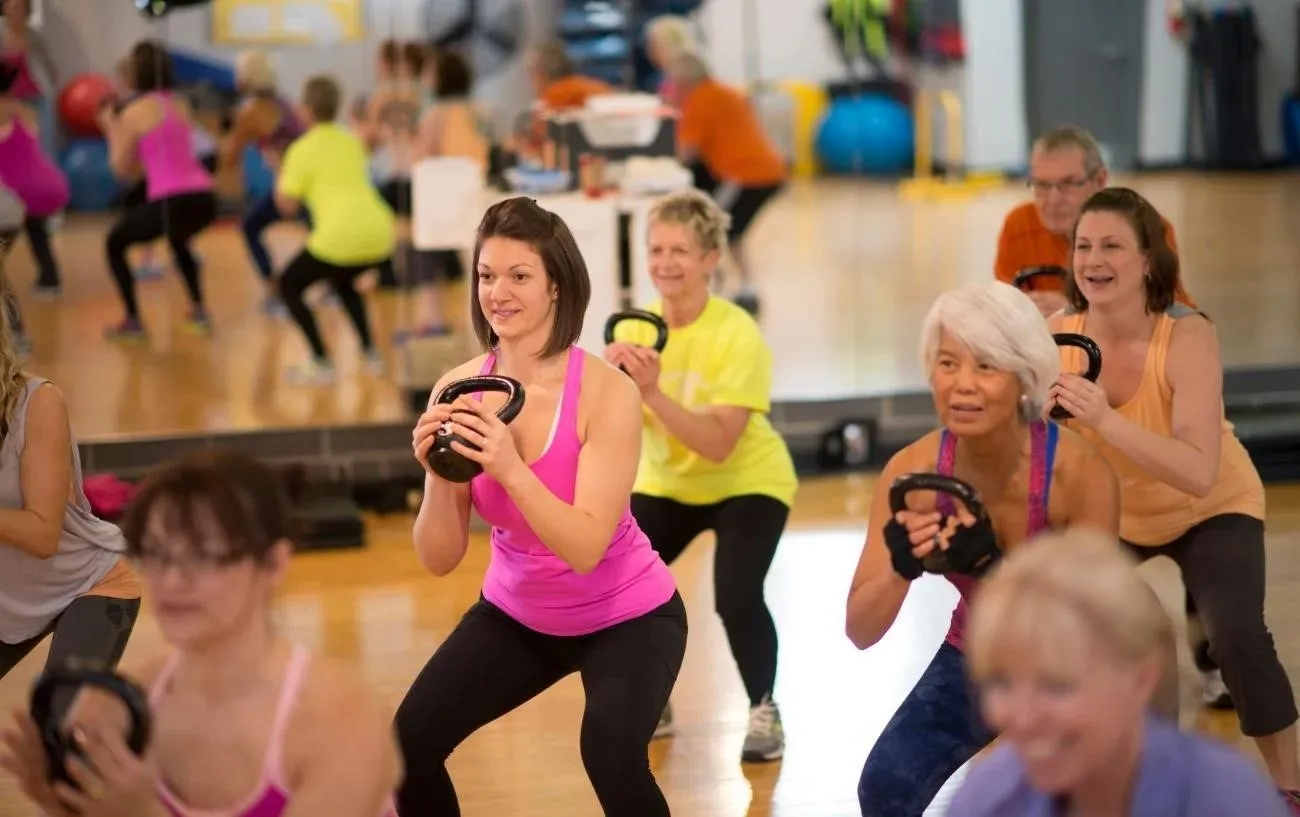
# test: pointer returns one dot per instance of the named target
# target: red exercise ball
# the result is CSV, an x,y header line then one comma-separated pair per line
x,y
80,100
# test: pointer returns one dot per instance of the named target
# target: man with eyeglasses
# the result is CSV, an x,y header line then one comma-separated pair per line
x,y
1065,168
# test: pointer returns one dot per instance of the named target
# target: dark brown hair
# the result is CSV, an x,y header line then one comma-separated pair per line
x,y
452,77
390,51
244,499
1161,282
523,219
151,67
413,56
322,96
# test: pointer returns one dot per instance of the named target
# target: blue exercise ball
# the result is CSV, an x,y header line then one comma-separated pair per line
x,y
90,179
259,181
866,134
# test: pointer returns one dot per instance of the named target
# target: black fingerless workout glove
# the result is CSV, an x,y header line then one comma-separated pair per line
x,y
972,550
900,551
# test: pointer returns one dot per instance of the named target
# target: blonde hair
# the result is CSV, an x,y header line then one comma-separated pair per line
x,y
696,211
1001,326
13,380
256,69
673,33
1048,593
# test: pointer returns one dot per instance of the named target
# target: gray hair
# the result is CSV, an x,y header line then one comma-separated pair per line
x,y
1003,327
673,33
1073,136
688,68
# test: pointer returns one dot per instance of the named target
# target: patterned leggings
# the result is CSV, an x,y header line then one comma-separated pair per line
x,y
930,737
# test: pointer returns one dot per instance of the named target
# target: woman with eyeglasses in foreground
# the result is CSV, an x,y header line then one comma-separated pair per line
x,y
1067,646
245,723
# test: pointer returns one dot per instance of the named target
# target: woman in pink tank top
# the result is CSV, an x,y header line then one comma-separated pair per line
x,y
152,136
990,361
211,537
573,584
34,178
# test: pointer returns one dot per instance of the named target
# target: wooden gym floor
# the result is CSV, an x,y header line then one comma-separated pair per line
x,y
846,270
379,608
873,263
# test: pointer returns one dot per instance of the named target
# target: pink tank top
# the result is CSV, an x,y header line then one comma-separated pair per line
x,y
537,588
166,153
271,796
1043,436
30,174
24,87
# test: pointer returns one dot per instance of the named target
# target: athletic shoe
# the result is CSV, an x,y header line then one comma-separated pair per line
x,y
665,729
1214,695
1292,798
766,738
312,373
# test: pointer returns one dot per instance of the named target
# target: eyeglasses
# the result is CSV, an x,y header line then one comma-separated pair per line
x,y
187,563
1041,187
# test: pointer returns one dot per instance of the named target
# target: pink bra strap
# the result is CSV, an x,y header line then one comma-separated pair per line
x,y
159,688
488,364
568,418
290,687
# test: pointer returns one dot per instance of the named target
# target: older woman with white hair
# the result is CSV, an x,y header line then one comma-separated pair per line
x,y
991,361
1067,645
667,37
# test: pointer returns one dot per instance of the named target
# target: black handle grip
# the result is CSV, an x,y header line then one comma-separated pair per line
x,y
58,743
1092,350
1026,276
513,389
951,486
661,327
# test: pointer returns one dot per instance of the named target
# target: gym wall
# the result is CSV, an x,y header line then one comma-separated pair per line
x,y
792,43
84,36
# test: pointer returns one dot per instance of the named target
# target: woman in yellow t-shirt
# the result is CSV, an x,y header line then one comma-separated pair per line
x,y
327,171
710,458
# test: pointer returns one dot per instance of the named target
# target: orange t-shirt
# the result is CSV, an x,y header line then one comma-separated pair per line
x,y
1026,242
719,124
572,92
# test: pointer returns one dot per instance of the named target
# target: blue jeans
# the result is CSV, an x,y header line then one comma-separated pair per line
x,y
936,730
261,215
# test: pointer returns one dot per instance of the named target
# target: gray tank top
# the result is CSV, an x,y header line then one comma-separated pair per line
x,y
34,591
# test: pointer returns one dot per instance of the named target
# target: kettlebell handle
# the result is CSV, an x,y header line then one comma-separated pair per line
x,y
951,486
1027,275
58,744
1093,352
513,389
660,325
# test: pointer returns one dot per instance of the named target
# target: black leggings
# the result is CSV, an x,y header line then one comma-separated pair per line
x,y
1222,562
179,218
37,229
91,628
305,270
748,530
492,664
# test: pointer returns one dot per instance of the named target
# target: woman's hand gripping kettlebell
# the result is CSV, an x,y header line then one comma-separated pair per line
x,y
496,450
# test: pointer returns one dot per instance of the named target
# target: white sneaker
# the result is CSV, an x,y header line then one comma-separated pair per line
x,y
766,738
665,729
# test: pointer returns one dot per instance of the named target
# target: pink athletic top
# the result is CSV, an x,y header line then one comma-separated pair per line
x,y
271,796
535,587
166,153
30,174
1043,436
24,87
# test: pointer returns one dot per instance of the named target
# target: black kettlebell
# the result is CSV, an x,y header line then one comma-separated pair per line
x,y
445,461
970,550
660,325
1092,350
59,745
1026,276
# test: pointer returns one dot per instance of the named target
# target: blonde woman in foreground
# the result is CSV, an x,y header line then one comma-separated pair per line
x,y
1068,645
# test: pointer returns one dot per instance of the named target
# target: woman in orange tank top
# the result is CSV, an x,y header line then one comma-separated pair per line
x,y
1190,491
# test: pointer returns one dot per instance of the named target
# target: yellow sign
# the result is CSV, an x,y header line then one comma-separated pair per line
x,y
287,22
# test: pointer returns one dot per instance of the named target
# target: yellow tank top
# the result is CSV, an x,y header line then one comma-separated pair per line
x,y
1152,512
